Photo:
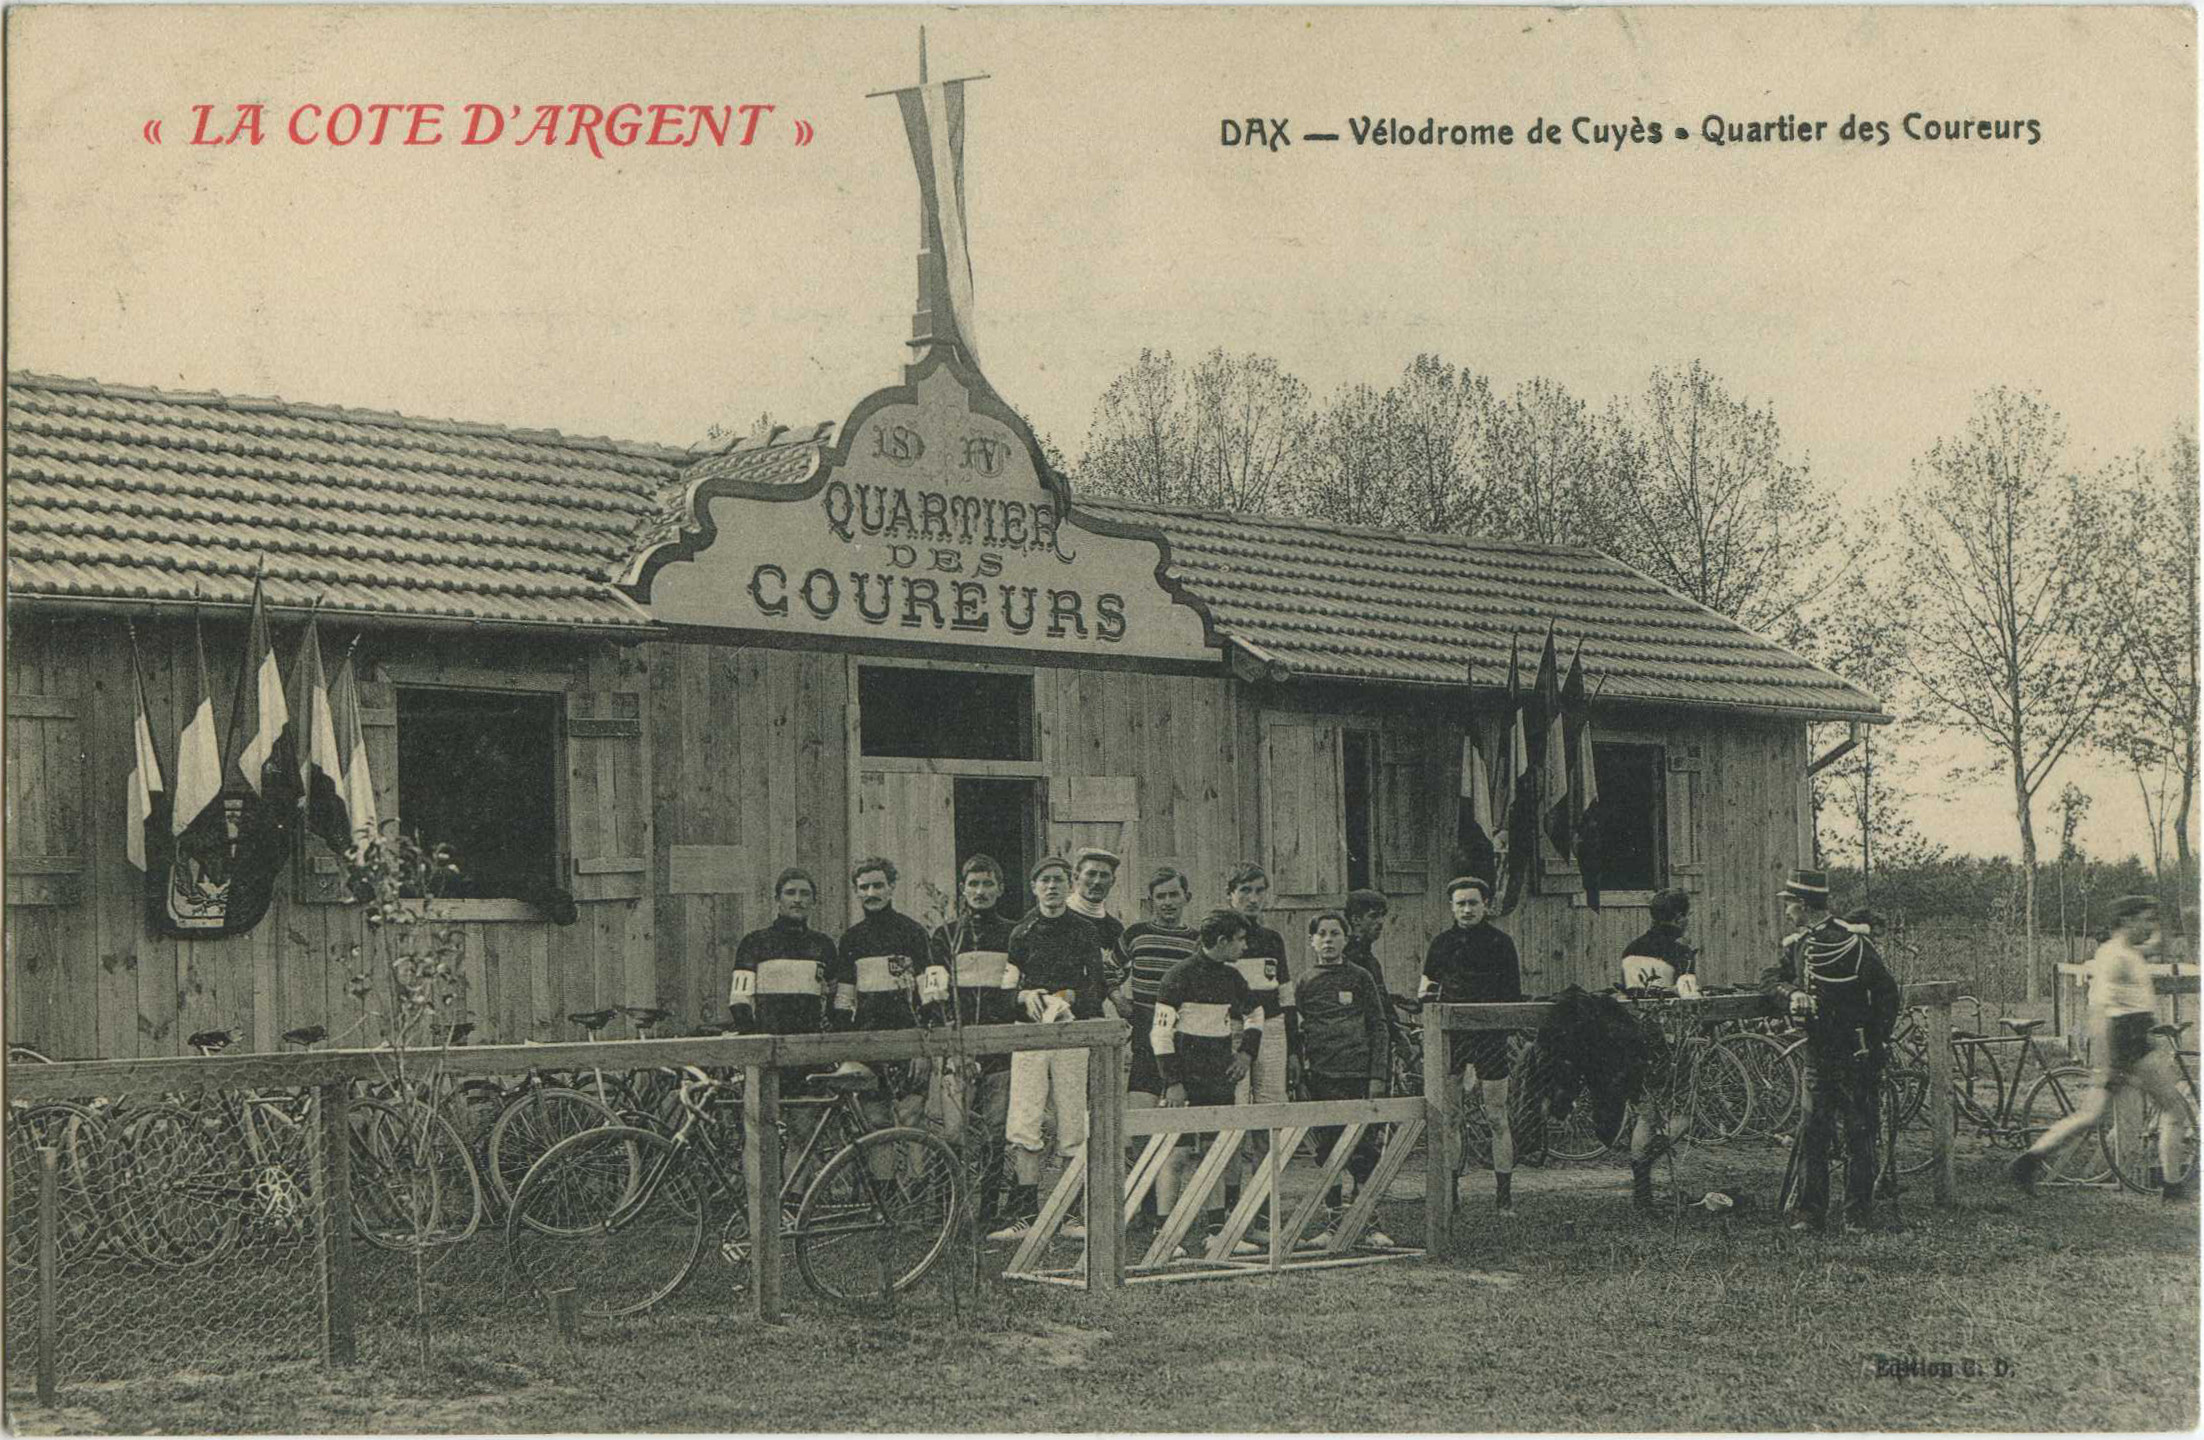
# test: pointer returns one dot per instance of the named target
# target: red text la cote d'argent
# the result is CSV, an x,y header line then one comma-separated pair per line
x,y
396,123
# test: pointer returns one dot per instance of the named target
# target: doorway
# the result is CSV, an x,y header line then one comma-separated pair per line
x,y
1001,818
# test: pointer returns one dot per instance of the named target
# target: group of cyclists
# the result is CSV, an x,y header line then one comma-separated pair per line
x,y
1218,1016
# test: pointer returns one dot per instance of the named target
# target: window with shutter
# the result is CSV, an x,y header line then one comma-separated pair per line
x,y
1408,780
46,829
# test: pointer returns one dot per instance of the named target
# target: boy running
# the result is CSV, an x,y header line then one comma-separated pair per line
x,y
1346,1046
1474,962
2122,1009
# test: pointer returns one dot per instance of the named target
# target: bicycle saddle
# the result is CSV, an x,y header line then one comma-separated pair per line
x,y
594,1019
644,1014
307,1035
2024,1027
2171,1032
849,1075
212,1040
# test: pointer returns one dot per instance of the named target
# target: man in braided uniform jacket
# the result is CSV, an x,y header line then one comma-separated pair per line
x,y
1834,981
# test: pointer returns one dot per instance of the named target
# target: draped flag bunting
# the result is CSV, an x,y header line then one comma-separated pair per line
x,y
1584,816
145,838
933,117
1519,775
1474,850
351,739
1554,785
188,885
321,763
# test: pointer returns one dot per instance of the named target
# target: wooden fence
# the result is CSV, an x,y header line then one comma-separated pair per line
x,y
329,1075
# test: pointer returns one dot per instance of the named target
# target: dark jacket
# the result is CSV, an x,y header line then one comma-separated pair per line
x,y
1061,952
1590,1049
1855,995
1345,1029
1474,966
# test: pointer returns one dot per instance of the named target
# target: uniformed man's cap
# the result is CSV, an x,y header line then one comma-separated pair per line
x,y
1806,885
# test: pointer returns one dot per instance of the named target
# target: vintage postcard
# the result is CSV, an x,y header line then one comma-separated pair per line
x,y
1100,719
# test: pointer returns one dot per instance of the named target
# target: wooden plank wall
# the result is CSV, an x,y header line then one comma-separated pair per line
x,y
751,757
84,976
739,763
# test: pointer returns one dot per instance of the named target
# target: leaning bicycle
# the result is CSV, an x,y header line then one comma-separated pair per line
x,y
621,1214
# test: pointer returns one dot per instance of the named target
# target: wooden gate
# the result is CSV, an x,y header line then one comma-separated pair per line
x,y
1227,1128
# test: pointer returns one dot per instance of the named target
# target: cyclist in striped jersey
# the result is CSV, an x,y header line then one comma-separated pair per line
x,y
1204,1036
782,972
875,979
1152,948
971,960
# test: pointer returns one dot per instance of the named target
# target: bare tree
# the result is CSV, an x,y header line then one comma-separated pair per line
x,y
1999,551
1445,414
1356,459
1251,424
1710,504
1228,434
1549,458
1138,442
2153,618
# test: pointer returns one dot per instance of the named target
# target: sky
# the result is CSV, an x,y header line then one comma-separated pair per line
x,y
1866,291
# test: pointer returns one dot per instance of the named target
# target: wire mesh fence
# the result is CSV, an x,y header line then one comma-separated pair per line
x,y
252,1211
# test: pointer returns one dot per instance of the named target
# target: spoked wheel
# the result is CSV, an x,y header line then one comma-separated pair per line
x,y
1575,1136
612,1214
878,1216
2130,1134
2057,1095
527,1129
182,1187
412,1178
83,1142
1721,1094
1775,1084
1905,1121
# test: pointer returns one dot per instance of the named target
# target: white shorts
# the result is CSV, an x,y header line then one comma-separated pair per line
x,y
1266,1078
1039,1081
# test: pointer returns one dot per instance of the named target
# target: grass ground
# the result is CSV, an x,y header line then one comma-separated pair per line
x,y
2078,1309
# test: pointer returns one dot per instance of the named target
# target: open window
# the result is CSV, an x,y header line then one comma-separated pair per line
x,y
1647,819
1347,806
478,771
905,712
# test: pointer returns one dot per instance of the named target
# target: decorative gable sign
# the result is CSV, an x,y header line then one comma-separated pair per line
x,y
928,522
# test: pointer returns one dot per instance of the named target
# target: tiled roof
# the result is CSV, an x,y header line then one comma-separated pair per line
x,y
133,494
1320,600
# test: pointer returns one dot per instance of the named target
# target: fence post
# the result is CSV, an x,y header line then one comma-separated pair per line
x,y
761,1177
1940,1098
1106,1166
1441,1133
329,1162
49,1286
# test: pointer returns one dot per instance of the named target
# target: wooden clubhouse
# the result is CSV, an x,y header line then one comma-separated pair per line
x,y
647,678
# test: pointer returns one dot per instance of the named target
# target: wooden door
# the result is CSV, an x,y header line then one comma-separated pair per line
x,y
910,817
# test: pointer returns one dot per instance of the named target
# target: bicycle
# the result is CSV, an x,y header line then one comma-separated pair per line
x,y
551,1108
620,1213
2129,1131
191,1178
2007,1121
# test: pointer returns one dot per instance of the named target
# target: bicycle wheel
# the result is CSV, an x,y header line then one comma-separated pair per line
x,y
2056,1095
413,1181
527,1129
182,1187
82,1140
1774,1083
2130,1136
878,1216
584,1221
1721,1094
